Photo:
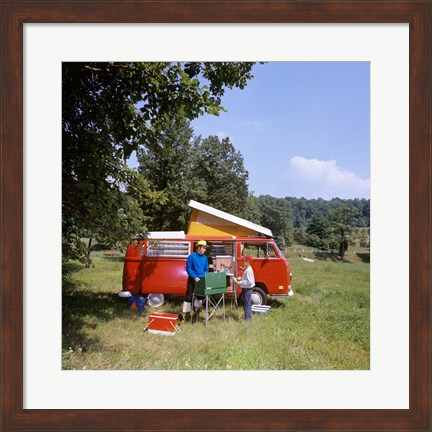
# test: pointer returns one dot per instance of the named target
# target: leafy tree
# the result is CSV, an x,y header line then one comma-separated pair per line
x,y
318,231
364,238
342,219
109,111
168,169
276,214
252,210
299,234
183,167
302,209
220,169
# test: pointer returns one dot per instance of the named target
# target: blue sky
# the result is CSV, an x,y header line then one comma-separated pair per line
x,y
303,129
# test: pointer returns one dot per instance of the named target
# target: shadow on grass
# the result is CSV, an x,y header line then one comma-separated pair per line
x,y
174,305
69,268
217,316
275,303
112,258
365,257
233,314
327,256
81,308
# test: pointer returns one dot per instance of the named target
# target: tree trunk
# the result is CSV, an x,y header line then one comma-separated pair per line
x,y
88,261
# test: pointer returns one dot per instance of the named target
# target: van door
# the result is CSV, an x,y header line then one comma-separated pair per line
x,y
269,268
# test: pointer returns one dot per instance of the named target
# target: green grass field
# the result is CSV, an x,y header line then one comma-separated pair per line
x,y
324,326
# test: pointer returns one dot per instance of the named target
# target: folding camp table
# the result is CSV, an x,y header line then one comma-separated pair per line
x,y
213,288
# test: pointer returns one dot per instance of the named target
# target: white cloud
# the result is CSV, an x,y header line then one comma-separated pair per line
x,y
313,178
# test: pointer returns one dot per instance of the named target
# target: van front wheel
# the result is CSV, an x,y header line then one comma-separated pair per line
x,y
259,296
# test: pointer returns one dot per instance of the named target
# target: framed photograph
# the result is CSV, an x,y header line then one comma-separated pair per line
x,y
43,397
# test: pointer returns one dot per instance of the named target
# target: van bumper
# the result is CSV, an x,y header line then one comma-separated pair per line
x,y
289,294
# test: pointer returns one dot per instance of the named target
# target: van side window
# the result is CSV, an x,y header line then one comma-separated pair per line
x,y
163,248
220,248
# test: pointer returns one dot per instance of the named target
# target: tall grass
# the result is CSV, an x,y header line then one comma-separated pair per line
x,y
324,326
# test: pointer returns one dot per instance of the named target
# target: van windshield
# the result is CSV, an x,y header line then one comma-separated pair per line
x,y
278,250
260,250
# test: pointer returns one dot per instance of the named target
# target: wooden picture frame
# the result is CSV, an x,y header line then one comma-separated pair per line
x,y
16,13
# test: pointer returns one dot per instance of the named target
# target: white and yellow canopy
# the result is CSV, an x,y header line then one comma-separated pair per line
x,y
207,221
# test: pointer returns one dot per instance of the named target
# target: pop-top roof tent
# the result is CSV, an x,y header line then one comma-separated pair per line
x,y
208,221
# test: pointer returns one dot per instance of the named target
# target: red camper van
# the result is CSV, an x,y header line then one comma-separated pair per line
x,y
156,264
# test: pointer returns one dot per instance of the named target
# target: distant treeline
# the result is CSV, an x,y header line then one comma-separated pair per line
x,y
328,225
304,209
